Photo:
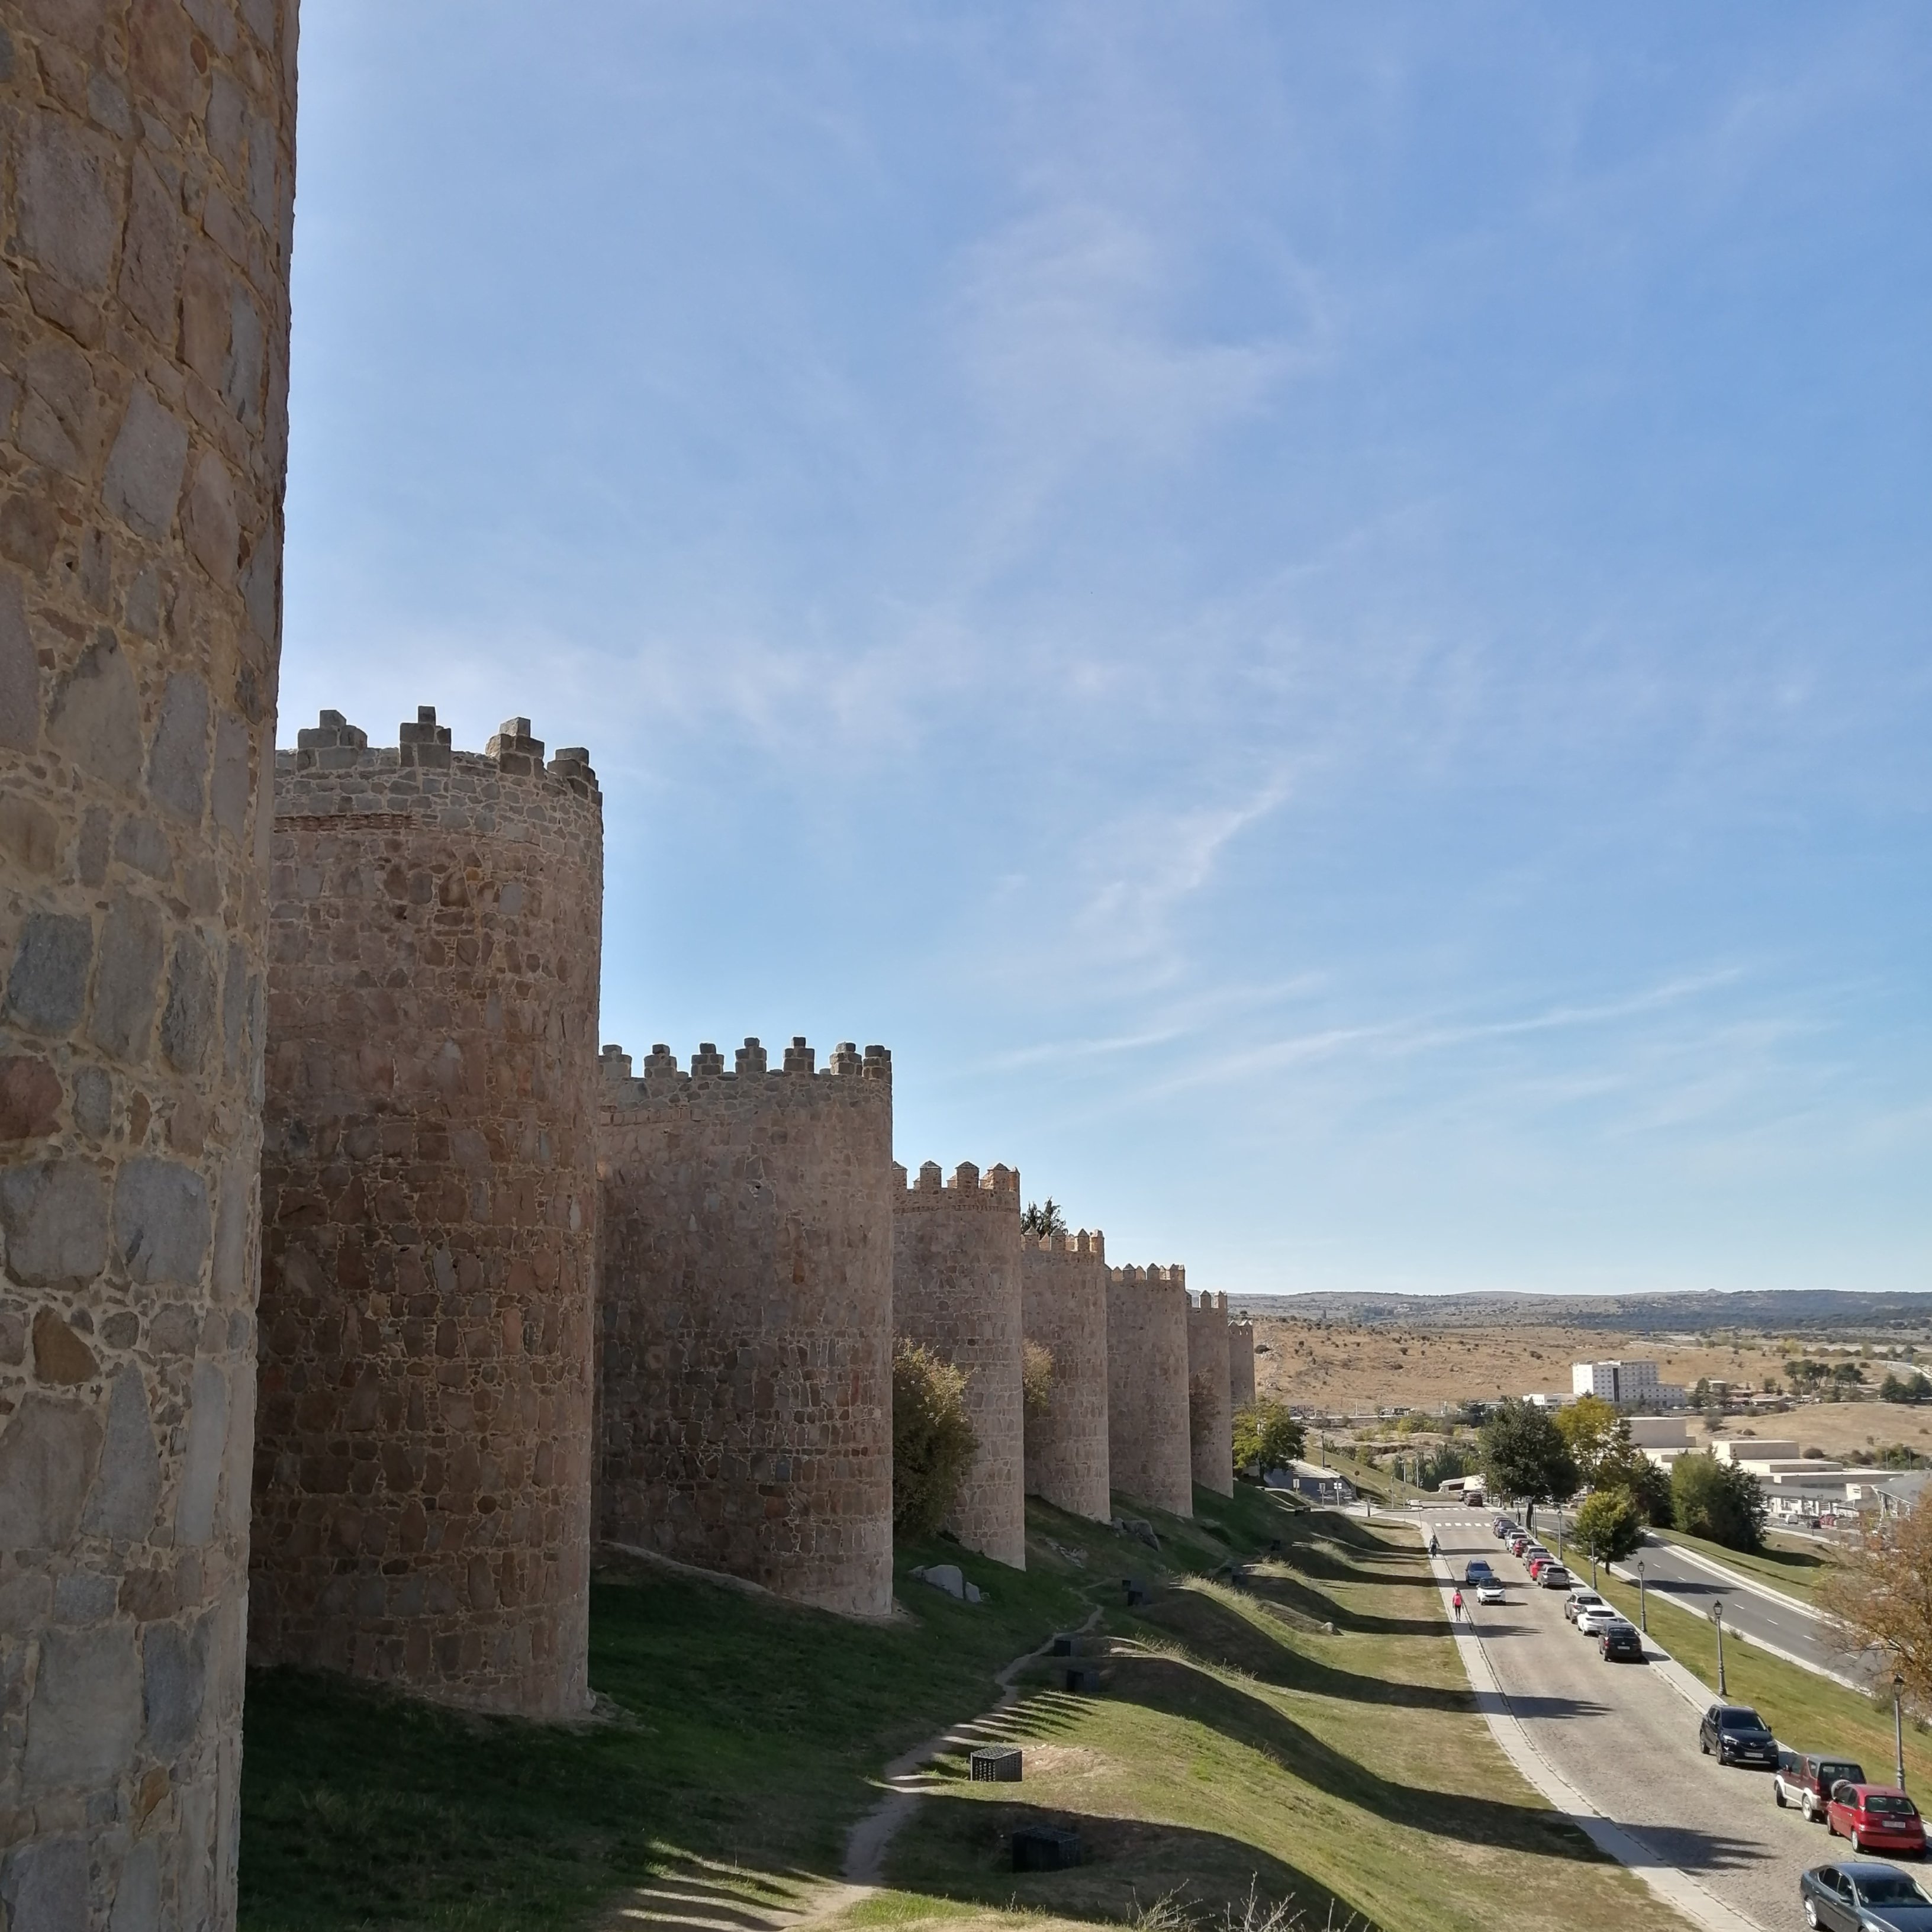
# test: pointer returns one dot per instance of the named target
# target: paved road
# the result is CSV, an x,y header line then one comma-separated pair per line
x,y
1624,1736
1762,1619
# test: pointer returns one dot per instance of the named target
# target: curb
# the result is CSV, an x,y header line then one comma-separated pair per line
x,y
1737,1578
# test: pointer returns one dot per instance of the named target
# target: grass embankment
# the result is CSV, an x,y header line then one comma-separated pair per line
x,y
1237,1744
1784,1563
1808,1712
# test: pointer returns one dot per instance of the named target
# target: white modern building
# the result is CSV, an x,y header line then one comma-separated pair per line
x,y
1629,1385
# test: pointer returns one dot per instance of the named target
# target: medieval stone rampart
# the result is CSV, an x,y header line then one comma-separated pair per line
x,y
956,1291
422,1464
1148,1455
1241,1364
146,200
1064,1289
745,1306
1211,1412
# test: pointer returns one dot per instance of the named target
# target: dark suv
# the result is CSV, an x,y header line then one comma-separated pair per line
x,y
1620,1639
1805,1779
1739,1735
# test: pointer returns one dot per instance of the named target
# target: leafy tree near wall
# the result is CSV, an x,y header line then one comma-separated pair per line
x,y
1267,1437
1042,1217
1524,1456
1718,1501
933,1441
1626,1468
1590,1428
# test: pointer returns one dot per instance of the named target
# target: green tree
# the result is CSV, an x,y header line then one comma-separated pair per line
x,y
1435,1467
1914,1387
1608,1527
1042,1217
1647,1483
1267,1437
933,1441
1718,1500
1590,1428
1524,1455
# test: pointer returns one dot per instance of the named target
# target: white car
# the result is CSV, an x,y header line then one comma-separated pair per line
x,y
1490,1590
1594,1622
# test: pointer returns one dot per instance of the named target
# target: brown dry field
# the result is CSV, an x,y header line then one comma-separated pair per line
x,y
1354,1370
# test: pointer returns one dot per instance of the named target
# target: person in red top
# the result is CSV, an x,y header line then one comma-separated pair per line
x,y
1457,1601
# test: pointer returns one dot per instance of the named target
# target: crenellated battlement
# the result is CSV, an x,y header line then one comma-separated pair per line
x,y
1211,1302
661,1078
334,768
1155,1276
1085,1244
996,1191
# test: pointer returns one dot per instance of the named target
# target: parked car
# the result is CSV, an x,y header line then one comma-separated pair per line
x,y
1490,1590
1518,1543
1552,1576
1739,1735
1863,1898
1804,1779
1620,1639
1594,1622
1502,1527
1875,1818
1580,1600
1475,1570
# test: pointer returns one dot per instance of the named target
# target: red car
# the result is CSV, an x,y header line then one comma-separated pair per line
x,y
1518,1543
1875,1818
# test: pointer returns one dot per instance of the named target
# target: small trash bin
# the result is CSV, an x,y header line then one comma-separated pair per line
x,y
995,1764
1045,1848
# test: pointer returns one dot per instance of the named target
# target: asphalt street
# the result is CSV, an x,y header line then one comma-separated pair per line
x,y
1623,1735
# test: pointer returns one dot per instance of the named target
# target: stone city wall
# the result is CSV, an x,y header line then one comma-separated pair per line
x,y
1241,1364
1148,1455
146,194
422,1496
1063,1296
1210,1413
745,1310
956,1291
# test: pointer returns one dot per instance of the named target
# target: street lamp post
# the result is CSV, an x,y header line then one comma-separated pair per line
x,y
1898,1730
1642,1602
1717,1618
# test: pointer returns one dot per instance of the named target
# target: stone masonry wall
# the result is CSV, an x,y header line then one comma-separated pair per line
x,y
956,1291
147,177
1063,1294
1211,1412
1147,1452
422,1497
1241,1364
744,1308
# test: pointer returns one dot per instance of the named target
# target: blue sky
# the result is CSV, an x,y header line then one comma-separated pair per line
x,y
1322,617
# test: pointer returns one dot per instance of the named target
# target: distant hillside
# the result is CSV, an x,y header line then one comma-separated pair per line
x,y
1781,1311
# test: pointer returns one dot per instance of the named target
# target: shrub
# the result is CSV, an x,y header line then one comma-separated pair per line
x,y
933,1441
1036,1377
1717,1501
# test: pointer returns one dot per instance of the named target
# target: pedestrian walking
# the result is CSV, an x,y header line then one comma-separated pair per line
x,y
1457,1601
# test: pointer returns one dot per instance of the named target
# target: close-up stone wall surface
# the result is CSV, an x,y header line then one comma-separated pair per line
x,y
1241,1364
1148,1454
422,1468
146,207
1064,1309
745,1316
1211,1412
956,1291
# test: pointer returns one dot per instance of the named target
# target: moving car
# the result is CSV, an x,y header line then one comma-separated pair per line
x,y
1552,1576
1580,1600
1620,1639
1875,1818
1475,1570
1739,1735
1806,1780
1859,1897
1490,1590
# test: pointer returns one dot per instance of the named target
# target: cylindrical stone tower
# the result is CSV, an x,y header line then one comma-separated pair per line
x,y
744,1317
1241,1364
422,1471
1063,1293
1148,1451
148,188
1210,1412
956,1291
